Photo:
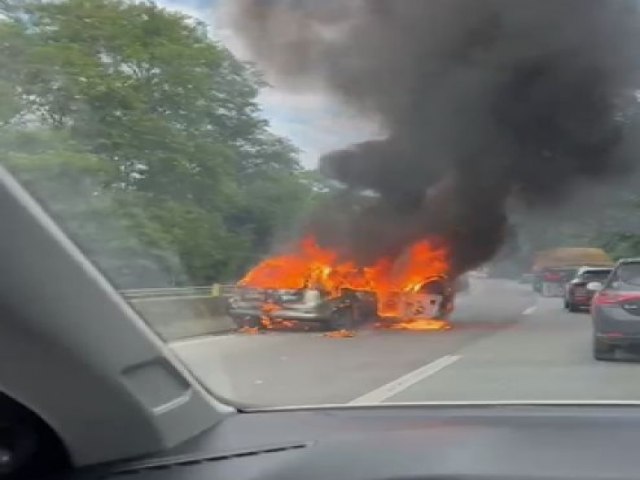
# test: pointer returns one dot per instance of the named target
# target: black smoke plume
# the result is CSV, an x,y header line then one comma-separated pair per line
x,y
483,102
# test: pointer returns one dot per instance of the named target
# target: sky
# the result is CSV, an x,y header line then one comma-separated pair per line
x,y
311,120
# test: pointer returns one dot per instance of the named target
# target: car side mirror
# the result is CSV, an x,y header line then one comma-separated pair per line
x,y
594,286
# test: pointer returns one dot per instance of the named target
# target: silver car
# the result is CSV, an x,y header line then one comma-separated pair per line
x,y
615,310
252,307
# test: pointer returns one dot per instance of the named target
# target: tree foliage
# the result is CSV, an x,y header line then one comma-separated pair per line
x,y
144,137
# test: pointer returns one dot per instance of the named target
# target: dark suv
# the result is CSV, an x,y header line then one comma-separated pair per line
x,y
615,310
576,294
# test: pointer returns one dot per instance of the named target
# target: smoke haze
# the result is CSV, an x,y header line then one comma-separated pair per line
x,y
483,101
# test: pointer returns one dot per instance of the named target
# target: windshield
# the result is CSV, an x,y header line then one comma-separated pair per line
x,y
336,202
626,277
595,275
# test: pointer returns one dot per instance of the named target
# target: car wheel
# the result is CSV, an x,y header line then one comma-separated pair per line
x,y
247,322
572,307
341,319
603,350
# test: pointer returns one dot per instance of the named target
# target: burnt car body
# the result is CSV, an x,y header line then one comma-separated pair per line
x,y
615,310
576,294
444,291
433,300
249,307
252,307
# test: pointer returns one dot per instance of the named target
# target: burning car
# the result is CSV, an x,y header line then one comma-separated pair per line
x,y
261,308
432,300
311,283
256,308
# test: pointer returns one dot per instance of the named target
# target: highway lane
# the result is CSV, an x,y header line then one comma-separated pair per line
x,y
546,356
507,344
302,368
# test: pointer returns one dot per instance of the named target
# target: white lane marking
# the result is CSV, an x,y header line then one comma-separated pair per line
x,y
530,310
463,403
404,382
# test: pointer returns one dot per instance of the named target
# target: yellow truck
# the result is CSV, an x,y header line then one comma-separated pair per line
x,y
555,267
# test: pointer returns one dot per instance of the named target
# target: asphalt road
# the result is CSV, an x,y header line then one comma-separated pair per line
x,y
506,344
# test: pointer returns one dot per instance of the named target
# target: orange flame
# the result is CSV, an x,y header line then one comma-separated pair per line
x,y
311,266
416,325
341,334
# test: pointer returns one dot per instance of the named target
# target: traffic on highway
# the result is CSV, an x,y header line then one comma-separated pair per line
x,y
503,341
234,231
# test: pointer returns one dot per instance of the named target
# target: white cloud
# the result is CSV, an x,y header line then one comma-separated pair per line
x,y
311,120
187,8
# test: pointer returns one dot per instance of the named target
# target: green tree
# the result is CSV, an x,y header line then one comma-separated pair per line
x,y
161,121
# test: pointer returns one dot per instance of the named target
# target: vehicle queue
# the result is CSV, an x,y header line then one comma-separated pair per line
x,y
609,291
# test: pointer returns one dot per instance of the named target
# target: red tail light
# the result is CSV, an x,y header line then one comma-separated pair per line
x,y
552,277
614,298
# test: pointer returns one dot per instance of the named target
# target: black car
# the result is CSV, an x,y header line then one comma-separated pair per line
x,y
615,310
576,294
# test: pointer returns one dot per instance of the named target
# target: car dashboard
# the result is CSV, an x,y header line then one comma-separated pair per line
x,y
403,442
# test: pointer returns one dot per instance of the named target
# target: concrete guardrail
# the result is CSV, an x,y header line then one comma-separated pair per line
x,y
178,313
